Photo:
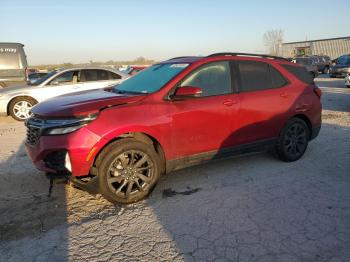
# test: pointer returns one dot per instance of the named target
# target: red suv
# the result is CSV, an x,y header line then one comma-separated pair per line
x,y
177,113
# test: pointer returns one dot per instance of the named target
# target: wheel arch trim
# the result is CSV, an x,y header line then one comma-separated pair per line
x,y
137,135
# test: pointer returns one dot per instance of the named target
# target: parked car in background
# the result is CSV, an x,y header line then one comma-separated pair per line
x,y
323,63
134,69
17,101
308,63
33,77
176,113
341,68
13,64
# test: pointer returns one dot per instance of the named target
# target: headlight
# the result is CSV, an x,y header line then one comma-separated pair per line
x,y
66,126
63,130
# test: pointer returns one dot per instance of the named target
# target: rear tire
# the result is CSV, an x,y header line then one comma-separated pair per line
x,y
128,170
19,107
293,140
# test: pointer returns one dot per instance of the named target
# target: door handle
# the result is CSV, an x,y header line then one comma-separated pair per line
x,y
230,102
284,94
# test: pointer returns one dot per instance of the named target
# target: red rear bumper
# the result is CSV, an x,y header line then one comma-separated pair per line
x,y
78,145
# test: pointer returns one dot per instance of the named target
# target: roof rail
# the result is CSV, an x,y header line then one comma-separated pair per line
x,y
179,57
247,54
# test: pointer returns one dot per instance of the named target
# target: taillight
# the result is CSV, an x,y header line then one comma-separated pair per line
x,y
318,91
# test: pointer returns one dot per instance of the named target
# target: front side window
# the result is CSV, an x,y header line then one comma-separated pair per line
x,y
69,77
213,79
254,75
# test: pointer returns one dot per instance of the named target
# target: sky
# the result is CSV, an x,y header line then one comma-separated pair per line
x,y
101,30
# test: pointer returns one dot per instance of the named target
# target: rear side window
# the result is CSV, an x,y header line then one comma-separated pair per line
x,y
254,76
94,75
300,72
66,77
213,78
259,76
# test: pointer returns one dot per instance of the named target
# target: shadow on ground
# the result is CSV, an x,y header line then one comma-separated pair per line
x,y
25,208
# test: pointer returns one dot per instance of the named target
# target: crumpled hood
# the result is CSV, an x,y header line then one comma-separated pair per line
x,y
82,103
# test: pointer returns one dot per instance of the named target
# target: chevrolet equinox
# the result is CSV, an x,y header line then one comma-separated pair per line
x,y
177,113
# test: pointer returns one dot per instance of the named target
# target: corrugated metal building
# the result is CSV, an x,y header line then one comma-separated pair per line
x,y
332,47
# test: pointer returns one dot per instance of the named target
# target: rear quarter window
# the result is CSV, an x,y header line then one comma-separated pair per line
x,y
300,72
115,76
278,79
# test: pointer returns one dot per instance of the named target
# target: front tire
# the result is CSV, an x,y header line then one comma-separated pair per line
x,y
293,140
20,107
128,170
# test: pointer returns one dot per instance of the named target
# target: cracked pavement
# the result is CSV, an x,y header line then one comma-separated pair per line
x,y
250,208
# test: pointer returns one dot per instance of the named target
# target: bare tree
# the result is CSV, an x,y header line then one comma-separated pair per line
x,y
273,41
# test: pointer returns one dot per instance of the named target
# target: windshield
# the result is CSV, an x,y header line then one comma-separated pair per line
x,y
44,78
151,79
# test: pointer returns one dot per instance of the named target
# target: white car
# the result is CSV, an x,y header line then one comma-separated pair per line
x,y
17,101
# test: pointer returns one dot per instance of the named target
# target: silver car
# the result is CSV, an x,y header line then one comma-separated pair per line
x,y
17,101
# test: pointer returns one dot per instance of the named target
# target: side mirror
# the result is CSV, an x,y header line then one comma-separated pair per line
x,y
188,92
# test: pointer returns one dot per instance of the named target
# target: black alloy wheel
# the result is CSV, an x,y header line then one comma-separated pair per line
x,y
293,140
130,173
128,170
